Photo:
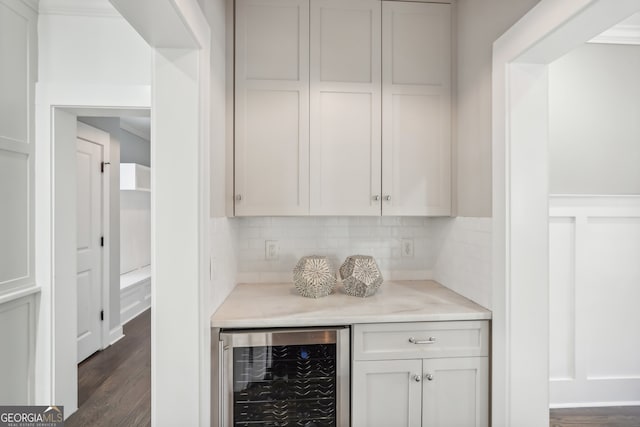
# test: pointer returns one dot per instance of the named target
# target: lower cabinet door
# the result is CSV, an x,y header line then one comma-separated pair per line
x,y
456,392
387,393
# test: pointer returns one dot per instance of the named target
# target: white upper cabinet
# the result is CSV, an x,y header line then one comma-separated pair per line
x,y
345,108
416,108
342,107
272,107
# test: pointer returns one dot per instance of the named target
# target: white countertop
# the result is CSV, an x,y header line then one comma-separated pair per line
x,y
263,305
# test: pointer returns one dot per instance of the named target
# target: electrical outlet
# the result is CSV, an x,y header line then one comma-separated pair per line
x,y
271,249
406,249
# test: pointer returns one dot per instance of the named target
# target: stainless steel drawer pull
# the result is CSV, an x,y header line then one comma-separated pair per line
x,y
430,340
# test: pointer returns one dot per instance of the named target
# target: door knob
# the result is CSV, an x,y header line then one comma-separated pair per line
x,y
429,377
387,198
417,378
376,197
239,197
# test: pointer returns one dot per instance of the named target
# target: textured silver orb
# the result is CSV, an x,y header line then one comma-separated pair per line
x,y
361,276
314,277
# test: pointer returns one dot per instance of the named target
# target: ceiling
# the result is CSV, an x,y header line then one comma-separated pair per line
x,y
140,126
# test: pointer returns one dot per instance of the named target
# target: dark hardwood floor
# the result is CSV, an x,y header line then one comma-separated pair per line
x,y
114,385
619,416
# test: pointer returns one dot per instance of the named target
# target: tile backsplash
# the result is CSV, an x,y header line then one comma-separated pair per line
x,y
337,238
464,258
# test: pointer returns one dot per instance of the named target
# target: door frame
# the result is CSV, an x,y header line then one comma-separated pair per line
x,y
102,138
58,110
179,37
520,333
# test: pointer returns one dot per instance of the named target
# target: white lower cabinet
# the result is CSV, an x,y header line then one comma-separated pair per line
x,y
420,391
385,393
455,392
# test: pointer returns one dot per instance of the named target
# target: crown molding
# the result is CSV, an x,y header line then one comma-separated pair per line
x,y
33,4
100,8
620,34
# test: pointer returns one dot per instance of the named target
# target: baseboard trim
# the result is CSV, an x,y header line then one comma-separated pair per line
x,y
592,404
115,335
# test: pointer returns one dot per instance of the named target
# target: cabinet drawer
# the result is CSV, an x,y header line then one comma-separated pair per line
x,y
381,341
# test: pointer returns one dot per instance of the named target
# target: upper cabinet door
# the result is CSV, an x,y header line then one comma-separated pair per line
x,y
416,108
272,107
345,57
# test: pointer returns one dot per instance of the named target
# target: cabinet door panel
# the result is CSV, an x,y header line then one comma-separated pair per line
x,y
345,107
418,157
271,36
272,107
386,394
416,109
458,393
420,41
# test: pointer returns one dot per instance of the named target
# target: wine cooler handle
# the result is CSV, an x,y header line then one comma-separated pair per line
x,y
221,383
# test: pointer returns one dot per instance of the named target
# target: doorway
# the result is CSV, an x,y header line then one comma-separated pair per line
x,y
520,198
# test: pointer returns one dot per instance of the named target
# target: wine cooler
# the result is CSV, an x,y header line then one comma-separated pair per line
x,y
293,377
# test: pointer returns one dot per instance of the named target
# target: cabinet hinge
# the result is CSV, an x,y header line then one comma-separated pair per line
x,y
102,166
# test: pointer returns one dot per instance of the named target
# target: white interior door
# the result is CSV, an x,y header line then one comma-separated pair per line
x,y
89,246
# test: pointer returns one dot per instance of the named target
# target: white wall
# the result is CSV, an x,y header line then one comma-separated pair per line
x,y
95,50
135,230
479,23
464,258
223,232
594,108
134,149
594,274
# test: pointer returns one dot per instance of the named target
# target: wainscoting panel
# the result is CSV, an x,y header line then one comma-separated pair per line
x,y
594,293
17,343
135,293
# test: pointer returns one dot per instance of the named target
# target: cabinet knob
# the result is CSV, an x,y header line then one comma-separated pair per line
x,y
387,198
376,197
417,378
429,377
238,197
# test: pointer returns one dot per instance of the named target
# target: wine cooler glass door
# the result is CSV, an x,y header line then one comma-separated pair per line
x,y
287,378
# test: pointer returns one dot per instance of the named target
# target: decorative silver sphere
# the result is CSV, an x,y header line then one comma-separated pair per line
x,y
314,277
361,276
